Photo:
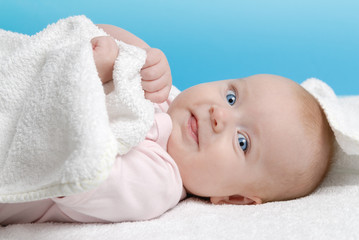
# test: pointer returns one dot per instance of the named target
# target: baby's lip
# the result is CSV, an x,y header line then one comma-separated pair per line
x,y
193,127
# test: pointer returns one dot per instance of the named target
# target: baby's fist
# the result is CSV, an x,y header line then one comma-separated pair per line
x,y
105,51
156,76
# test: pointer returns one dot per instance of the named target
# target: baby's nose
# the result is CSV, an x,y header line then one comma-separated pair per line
x,y
219,117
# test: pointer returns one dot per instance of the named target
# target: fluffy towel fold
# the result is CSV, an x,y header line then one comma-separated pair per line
x,y
60,133
343,116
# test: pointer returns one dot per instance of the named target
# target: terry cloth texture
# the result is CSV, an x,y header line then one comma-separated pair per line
x,y
60,133
342,114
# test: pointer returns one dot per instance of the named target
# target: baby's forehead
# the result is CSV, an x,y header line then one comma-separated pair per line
x,y
270,82
278,107
269,92
276,111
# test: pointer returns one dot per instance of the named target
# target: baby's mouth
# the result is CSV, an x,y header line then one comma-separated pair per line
x,y
192,122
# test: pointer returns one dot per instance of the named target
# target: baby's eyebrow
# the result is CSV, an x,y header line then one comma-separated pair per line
x,y
241,84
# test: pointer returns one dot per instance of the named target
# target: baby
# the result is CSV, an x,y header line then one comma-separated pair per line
x,y
239,141
249,141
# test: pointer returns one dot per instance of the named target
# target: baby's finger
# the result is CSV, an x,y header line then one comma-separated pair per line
x,y
155,71
155,85
154,56
159,96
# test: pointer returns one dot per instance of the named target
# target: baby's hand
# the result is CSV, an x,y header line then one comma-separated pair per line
x,y
156,76
105,51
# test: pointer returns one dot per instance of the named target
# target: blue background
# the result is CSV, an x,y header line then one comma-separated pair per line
x,y
219,39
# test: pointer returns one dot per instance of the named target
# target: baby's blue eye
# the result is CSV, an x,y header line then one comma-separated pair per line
x,y
243,143
231,97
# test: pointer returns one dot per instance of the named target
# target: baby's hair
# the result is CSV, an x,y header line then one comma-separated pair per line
x,y
315,159
320,140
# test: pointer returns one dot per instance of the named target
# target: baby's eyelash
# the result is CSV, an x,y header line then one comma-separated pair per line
x,y
243,141
233,88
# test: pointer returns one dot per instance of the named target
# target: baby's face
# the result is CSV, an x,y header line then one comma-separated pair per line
x,y
231,138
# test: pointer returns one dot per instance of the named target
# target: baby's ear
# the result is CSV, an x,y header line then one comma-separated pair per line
x,y
236,199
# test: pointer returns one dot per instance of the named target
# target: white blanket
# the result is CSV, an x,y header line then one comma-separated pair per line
x,y
60,133
331,212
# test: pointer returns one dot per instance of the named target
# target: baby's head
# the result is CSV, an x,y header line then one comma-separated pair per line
x,y
248,141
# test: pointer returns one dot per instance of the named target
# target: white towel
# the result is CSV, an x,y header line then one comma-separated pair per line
x,y
60,133
343,116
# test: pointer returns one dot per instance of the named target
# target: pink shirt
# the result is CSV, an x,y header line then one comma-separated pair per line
x,y
142,185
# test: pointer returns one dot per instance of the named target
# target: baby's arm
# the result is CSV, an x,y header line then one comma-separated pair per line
x,y
156,73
